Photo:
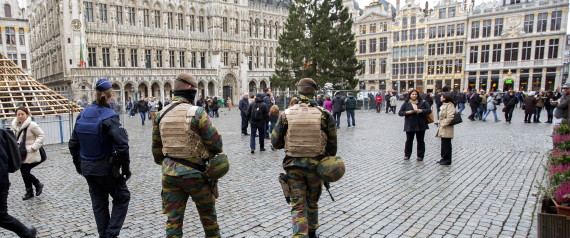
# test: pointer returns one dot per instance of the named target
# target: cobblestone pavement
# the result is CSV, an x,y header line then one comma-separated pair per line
x,y
487,192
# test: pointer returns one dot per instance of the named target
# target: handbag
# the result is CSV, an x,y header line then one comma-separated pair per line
x,y
456,119
43,154
429,118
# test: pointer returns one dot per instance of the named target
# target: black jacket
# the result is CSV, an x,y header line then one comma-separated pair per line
x,y
474,99
415,122
510,101
5,153
264,112
243,106
337,103
141,106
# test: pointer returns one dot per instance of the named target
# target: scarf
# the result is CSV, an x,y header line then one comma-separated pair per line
x,y
187,94
414,103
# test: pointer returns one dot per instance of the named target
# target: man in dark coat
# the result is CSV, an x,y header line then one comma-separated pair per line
x,y
243,106
337,105
474,101
510,102
258,115
142,108
387,99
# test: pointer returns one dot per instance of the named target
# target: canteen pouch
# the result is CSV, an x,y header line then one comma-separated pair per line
x,y
283,180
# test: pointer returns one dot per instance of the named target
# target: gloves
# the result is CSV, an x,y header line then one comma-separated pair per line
x,y
126,172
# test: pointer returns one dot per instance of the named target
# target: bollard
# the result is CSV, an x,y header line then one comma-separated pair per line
x,y
60,129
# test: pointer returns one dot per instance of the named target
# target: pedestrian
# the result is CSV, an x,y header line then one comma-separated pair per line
x,y
328,103
229,102
199,102
387,98
269,102
142,108
415,110
437,99
183,154
462,99
99,146
529,107
549,106
30,139
444,129
378,103
337,107
8,149
209,106
153,108
561,112
540,102
482,104
491,107
393,103
308,135
273,116
320,100
160,106
215,107
510,101
350,102
257,114
474,101
243,106
129,106
166,101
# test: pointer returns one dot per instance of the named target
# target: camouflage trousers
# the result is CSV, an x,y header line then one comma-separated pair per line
x,y
175,193
306,188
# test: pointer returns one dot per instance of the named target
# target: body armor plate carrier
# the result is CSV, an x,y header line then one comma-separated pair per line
x,y
304,136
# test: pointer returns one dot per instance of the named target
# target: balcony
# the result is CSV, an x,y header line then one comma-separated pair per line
x,y
110,72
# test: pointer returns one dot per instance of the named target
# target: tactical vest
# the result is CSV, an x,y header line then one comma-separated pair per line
x,y
95,144
178,140
304,137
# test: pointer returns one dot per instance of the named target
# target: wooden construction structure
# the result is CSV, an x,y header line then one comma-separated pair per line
x,y
19,89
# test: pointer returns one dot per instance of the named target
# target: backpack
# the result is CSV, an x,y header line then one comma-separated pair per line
x,y
256,114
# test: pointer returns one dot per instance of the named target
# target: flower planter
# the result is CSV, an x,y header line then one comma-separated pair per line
x,y
550,224
561,210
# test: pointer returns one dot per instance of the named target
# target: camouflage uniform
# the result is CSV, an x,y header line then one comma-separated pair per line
x,y
179,182
305,184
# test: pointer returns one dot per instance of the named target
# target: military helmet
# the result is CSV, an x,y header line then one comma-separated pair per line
x,y
217,167
331,168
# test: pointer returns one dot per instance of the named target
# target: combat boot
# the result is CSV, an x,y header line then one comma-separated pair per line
x,y
32,232
29,194
313,234
39,188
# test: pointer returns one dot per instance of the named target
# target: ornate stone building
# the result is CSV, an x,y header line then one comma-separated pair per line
x,y
14,43
140,45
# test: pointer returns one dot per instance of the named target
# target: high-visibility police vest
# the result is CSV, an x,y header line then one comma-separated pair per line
x,y
178,140
304,137
94,143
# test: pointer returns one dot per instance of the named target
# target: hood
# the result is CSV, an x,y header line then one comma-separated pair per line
x,y
351,96
259,97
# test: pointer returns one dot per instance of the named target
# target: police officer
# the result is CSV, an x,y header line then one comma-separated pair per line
x,y
99,147
295,131
183,139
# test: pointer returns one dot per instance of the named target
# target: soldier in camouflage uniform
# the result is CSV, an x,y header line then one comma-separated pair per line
x,y
183,138
305,120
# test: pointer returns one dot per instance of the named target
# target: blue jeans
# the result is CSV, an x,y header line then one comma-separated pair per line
x,y
537,112
259,130
494,113
143,117
336,116
349,114
461,107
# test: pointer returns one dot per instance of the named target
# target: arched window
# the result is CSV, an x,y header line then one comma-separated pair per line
x,y
257,58
256,28
7,10
405,22
413,21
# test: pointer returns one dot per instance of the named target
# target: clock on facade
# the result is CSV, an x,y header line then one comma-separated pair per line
x,y
76,24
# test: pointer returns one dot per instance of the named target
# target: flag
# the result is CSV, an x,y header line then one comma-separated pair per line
x,y
81,58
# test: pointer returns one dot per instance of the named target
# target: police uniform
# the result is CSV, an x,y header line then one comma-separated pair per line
x,y
97,139
183,140
295,131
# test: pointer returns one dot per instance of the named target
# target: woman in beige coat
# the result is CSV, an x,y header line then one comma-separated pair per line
x,y
34,139
444,130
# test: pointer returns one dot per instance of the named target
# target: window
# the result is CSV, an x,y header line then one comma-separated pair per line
x,y
131,16
432,31
363,29
460,29
171,59
203,60
421,34
103,13
22,36
542,21
449,48
499,26
396,36
511,51
485,51
396,52
431,49
24,61
170,20
395,69
403,69
404,52
553,48
526,49
451,12
487,28
119,14
106,57
451,30
192,28
88,11
473,54
373,28
225,59
411,68
449,66
556,18
441,31
442,13
8,11
459,47
363,69
193,60
156,18
372,66
182,59
404,35
372,45
430,69
91,57
13,57
146,18
134,58
404,22
383,44
420,68
539,49
10,36
121,58
158,58
383,66
458,66
439,67
224,24
180,19
201,24
413,34
237,28
413,51
362,46
497,52
413,21
440,48
147,59
475,29
528,23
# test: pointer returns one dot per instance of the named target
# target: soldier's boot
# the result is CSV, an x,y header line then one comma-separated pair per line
x,y
39,188
32,232
29,194
313,234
